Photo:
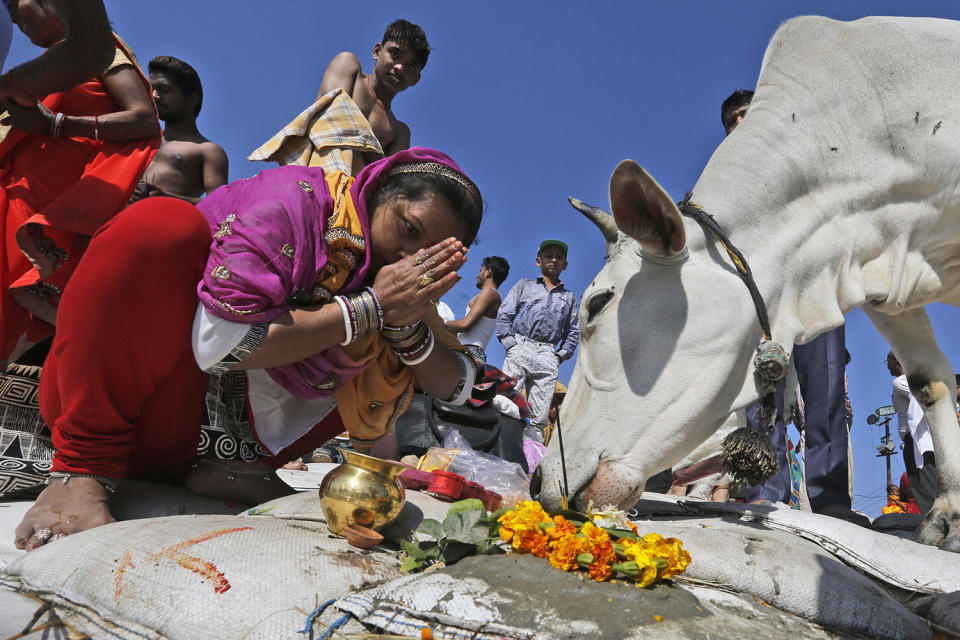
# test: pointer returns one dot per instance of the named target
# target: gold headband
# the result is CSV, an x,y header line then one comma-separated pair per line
x,y
439,169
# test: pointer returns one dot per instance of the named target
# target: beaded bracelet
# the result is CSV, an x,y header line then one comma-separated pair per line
x,y
66,475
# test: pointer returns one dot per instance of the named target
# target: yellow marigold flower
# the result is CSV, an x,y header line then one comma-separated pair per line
x,y
563,555
526,516
652,538
647,574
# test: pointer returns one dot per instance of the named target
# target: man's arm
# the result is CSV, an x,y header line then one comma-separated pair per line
x,y
85,52
401,141
508,311
572,333
215,167
901,403
485,300
341,73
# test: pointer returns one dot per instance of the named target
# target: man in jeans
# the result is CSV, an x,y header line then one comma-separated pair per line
x,y
537,316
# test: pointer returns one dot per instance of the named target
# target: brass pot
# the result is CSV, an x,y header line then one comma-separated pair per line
x,y
362,491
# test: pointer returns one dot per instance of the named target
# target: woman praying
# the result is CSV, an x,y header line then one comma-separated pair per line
x,y
318,286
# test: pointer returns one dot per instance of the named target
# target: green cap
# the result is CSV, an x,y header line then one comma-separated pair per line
x,y
553,243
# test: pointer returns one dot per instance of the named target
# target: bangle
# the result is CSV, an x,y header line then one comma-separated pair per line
x,y
421,354
363,313
376,303
96,128
412,343
56,125
348,327
16,85
66,475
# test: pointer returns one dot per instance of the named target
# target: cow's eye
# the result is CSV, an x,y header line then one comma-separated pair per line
x,y
597,302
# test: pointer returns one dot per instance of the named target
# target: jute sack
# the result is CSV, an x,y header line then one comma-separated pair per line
x,y
186,577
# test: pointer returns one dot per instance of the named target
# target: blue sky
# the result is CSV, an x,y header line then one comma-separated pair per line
x,y
535,100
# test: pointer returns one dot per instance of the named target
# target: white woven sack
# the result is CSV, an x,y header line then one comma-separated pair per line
x,y
186,577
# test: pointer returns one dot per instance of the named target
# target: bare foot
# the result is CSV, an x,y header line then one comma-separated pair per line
x,y
941,525
63,509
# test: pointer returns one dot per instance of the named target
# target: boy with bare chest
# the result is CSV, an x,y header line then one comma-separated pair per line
x,y
187,165
398,61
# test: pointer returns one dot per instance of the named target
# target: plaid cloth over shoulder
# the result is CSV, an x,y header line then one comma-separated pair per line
x,y
331,133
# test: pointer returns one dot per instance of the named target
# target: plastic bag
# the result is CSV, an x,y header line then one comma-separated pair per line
x,y
437,458
506,478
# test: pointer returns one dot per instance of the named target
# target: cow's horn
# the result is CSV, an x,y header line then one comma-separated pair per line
x,y
599,217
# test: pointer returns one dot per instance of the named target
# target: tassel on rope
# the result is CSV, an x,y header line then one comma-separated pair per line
x,y
748,453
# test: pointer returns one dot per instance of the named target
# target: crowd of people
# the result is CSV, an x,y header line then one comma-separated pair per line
x,y
317,283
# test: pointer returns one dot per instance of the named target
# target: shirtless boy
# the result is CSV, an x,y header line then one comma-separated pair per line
x,y
476,328
187,165
398,60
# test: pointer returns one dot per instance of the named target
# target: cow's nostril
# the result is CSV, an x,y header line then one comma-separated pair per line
x,y
597,302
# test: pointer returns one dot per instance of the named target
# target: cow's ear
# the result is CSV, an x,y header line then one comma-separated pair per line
x,y
644,211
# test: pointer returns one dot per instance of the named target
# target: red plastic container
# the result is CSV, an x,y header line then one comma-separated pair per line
x,y
446,485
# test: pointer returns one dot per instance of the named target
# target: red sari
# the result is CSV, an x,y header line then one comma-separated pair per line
x,y
54,194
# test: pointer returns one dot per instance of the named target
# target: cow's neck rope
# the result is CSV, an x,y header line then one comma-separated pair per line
x,y
748,452
691,209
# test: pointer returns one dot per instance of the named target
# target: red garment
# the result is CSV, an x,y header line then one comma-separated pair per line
x,y
121,389
54,194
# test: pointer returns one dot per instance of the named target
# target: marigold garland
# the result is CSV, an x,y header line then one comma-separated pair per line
x,y
569,546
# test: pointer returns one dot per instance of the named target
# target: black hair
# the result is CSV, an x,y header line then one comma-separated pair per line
x,y
467,203
499,268
182,74
404,32
735,100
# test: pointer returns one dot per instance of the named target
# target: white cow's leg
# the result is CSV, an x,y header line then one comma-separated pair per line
x,y
933,384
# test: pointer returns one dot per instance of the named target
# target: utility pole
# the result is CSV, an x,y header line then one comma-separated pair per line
x,y
887,448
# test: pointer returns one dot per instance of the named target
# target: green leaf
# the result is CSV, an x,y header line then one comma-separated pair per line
x,y
412,549
431,528
498,513
411,564
571,515
470,504
458,525
622,533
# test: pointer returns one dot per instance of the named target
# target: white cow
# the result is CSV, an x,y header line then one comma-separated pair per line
x,y
841,188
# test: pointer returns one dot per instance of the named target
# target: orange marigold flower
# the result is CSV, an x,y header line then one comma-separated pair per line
x,y
595,534
561,528
531,542
563,554
600,571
